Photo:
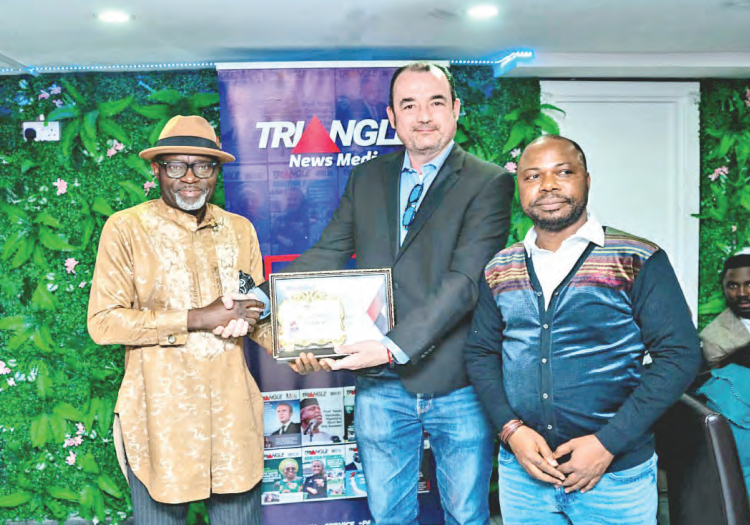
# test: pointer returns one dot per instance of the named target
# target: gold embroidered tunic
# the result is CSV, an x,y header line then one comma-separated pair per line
x,y
189,414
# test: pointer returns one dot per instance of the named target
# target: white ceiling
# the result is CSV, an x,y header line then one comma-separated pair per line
x,y
571,38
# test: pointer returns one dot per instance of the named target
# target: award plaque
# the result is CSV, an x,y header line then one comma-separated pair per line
x,y
315,312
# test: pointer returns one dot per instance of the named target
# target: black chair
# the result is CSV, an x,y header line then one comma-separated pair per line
x,y
697,450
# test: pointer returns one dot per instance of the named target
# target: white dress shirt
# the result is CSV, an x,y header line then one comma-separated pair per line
x,y
551,268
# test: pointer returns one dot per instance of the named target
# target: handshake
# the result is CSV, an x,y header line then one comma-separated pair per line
x,y
241,314
230,315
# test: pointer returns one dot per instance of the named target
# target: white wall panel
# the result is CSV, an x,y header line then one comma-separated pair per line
x,y
642,145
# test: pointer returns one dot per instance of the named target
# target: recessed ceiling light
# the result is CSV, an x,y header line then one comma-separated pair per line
x,y
481,12
114,16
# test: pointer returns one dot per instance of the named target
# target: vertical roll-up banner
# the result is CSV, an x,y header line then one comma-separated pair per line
x,y
297,130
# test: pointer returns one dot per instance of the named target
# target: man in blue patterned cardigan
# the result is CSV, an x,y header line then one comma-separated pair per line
x,y
556,353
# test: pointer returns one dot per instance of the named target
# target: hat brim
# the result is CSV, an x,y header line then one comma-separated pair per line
x,y
150,153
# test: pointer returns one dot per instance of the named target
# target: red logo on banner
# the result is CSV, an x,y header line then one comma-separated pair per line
x,y
315,139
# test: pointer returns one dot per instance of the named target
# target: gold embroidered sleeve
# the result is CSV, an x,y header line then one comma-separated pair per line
x,y
113,318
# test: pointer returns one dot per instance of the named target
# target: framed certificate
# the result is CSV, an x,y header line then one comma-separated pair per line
x,y
315,312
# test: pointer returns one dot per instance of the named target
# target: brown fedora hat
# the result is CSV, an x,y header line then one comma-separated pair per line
x,y
189,135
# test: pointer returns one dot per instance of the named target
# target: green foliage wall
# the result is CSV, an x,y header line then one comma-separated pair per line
x,y
725,193
52,376
57,388
500,117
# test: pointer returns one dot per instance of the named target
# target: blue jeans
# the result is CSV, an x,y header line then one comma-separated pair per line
x,y
389,422
627,497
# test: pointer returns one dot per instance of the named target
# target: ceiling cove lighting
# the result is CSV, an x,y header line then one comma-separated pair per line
x,y
482,12
501,65
113,16
117,67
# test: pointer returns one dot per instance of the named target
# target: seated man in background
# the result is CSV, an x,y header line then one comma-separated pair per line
x,y
727,339
726,349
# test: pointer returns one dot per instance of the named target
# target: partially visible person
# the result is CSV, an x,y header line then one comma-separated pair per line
x,y
289,482
434,214
556,354
291,228
316,485
311,420
286,425
371,103
355,464
727,338
189,416
726,351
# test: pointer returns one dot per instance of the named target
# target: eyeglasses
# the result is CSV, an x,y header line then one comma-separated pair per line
x,y
411,207
202,169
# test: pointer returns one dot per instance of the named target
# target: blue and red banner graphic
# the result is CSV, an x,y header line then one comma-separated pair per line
x,y
297,134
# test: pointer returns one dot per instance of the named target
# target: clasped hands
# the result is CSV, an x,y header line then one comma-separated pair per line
x,y
587,464
358,355
227,316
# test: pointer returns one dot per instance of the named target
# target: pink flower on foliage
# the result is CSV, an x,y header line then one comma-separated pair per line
x,y
71,459
511,166
734,228
70,265
718,172
43,94
62,186
11,382
4,369
58,103
515,153
147,187
73,442
82,285
54,89
81,428
116,146
747,97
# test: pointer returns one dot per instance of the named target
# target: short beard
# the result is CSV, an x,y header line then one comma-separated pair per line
x,y
737,311
185,206
558,224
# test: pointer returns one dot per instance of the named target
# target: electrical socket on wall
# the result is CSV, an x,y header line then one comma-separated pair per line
x,y
41,131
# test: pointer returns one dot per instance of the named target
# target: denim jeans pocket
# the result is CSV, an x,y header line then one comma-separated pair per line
x,y
633,474
504,456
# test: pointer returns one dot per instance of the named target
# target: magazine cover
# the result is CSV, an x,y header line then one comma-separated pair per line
x,y
425,481
281,419
322,416
349,393
282,477
323,469
356,487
